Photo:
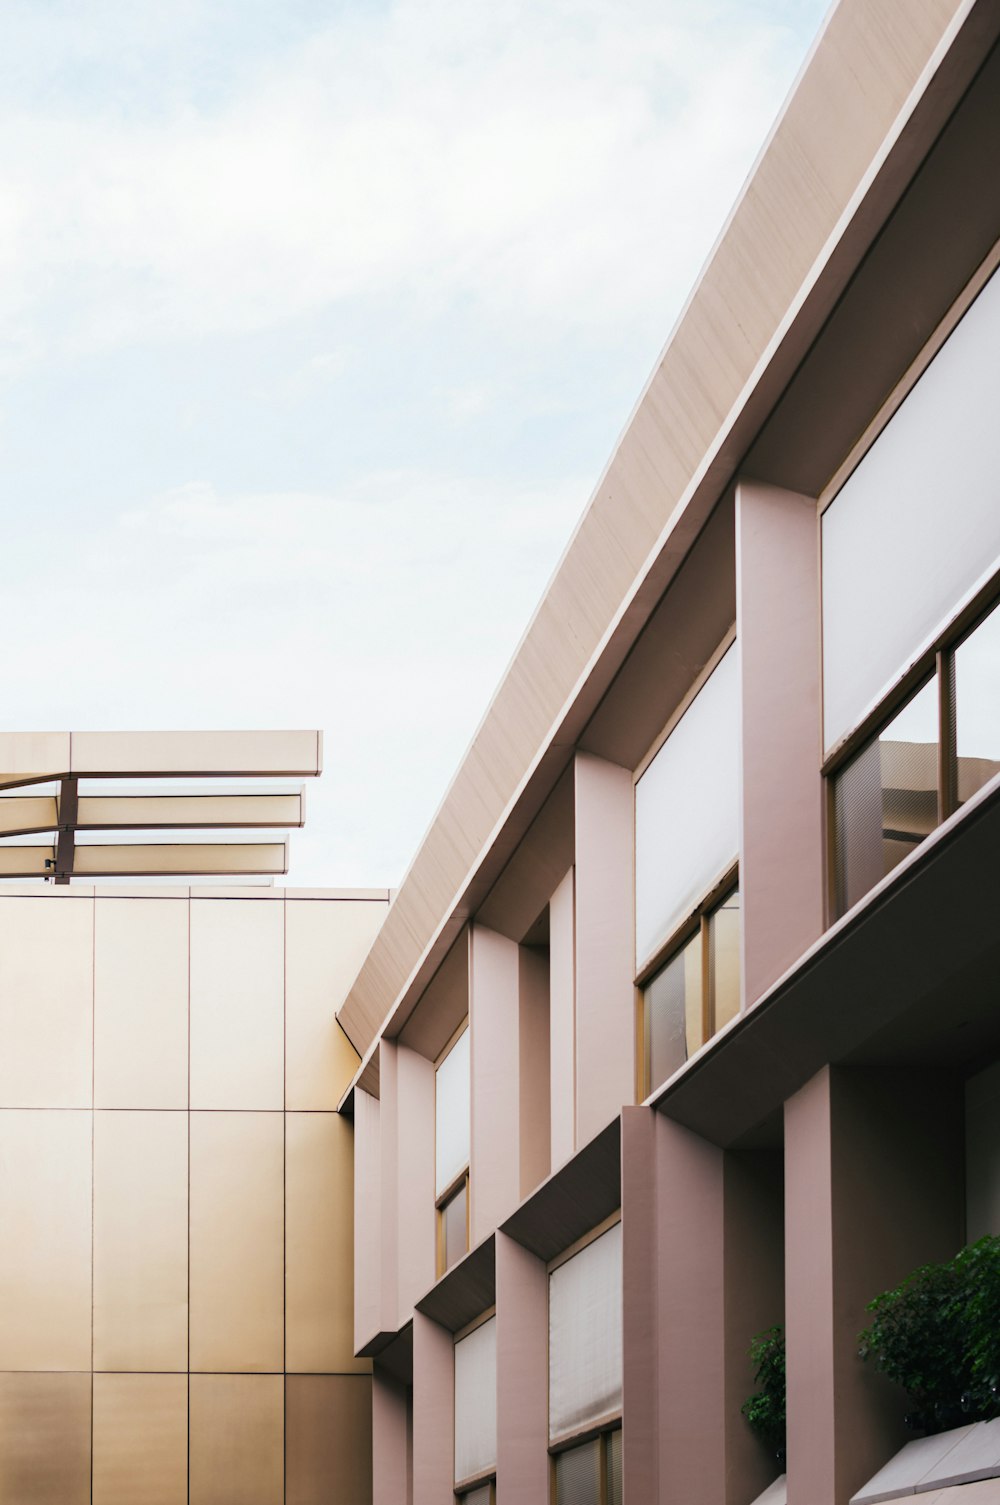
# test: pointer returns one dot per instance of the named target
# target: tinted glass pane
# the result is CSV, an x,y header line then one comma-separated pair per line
x,y
724,959
452,1120
885,800
687,810
672,1014
917,524
454,1219
614,1468
578,1475
481,1496
977,706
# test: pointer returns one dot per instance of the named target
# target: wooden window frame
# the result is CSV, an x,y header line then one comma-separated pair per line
x,y
602,1430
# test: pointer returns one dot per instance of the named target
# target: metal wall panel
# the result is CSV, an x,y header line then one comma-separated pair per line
x,y
328,1431
237,1003
45,1439
45,1199
141,1003
46,997
325,943
319,1249
140,1240
237,1447
237,1238
140,1439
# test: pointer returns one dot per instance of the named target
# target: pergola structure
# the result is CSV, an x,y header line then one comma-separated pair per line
x,y
81,763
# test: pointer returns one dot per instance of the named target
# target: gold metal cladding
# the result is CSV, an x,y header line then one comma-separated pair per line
x,y
237,1004
45,1439
237,1451
140,1241
237,1242
140,953
45,1201
46,1000
140,1439
328,1419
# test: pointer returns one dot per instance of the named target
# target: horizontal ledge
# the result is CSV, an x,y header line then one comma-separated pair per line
x,y
34,757
23,815
155,859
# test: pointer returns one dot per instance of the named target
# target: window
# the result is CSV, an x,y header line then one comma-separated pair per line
x,y
585,1337
476,1408
697,991
483,1494
451,1151
590,1474
916,526
687,811
926,760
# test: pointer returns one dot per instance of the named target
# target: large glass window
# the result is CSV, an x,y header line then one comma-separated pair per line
x,y
585,1336
917,525
476,1402
451,1151
694,994
687,811
590,1474
926,760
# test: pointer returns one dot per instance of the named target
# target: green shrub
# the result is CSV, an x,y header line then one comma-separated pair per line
x,y
765,1411
938,1336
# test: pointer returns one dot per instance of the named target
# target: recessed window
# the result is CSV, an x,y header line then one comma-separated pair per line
x,y
476,1407
483,1494
451,1151
925,761
585,1337
590,1474
694,994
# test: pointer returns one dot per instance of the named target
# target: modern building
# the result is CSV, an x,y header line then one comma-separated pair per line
x,y
684,1022
685,1019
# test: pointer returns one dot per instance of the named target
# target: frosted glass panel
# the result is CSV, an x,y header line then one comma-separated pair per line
x,y
452,1114
977,707
918,522
585,1335
687,810
476,1402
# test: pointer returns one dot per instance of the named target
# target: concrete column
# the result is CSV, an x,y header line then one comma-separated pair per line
x,y
641,1336
367,1219
778,636
392,1483
873,1185
433,1413
522,1376
407,1146
562,1021
605,946
493,1022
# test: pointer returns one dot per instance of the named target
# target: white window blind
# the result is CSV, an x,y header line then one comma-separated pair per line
x,y
585,1335
687,810
916,525
452,1129
476,1402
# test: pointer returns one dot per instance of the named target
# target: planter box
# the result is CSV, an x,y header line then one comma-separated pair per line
x,y
931,1464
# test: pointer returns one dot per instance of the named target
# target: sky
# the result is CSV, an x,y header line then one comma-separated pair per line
x,y
318,323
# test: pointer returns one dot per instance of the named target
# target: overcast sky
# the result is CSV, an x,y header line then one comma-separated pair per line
x,y
318,322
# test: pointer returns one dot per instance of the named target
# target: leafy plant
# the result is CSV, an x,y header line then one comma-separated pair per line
x,y
765,1410
938,1336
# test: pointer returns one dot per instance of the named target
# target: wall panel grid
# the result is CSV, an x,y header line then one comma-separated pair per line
x,y
176,1301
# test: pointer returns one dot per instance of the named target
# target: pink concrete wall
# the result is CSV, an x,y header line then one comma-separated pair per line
x,y
493,1023
392,1482
522,1375
414,1160
368,1243
640,1287
873,1182
433,1413
778,635
605,995
562,1025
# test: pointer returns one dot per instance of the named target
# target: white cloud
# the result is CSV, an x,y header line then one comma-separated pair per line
x,y
558,164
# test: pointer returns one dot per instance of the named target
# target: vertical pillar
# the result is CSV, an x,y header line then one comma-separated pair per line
x,y
391,1481
778,633
522,1376
641,1334
433,1413
407,1148
873,1184
493,1022
368,1302
562,1022
605,995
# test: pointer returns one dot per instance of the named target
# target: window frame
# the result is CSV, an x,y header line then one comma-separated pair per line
x,y
462,1178
602,1431
488,1475
613,1419
696,923
936,664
